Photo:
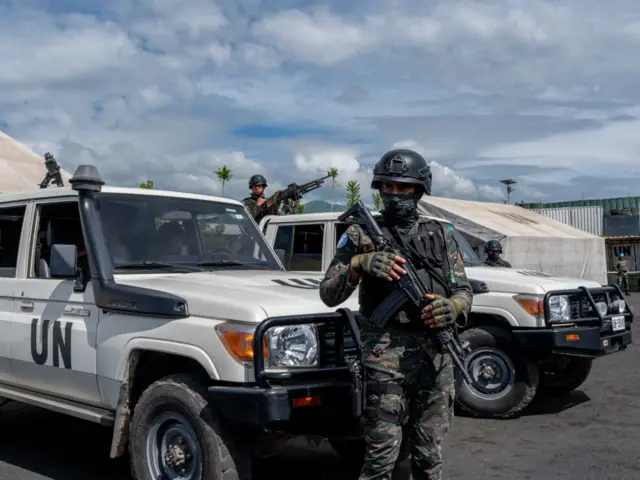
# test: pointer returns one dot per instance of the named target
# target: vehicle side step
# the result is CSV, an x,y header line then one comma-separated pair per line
x,y
60,405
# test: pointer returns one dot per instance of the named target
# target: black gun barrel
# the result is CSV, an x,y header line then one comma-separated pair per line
x,y
312,185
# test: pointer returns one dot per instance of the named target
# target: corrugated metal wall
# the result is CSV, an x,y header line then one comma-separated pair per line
x,y
587,218
622,225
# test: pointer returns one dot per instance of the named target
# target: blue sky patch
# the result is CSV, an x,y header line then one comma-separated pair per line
x,y
263,130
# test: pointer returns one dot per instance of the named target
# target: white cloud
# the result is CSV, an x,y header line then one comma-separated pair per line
x,y
446,182
167,90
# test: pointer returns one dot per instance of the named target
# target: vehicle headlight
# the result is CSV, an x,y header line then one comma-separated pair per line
x,y
293,346
559,308
619,305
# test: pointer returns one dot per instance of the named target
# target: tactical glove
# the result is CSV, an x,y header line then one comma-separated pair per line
x,y
377,264
443,311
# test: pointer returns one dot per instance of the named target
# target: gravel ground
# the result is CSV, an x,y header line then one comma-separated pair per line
x,y
587,435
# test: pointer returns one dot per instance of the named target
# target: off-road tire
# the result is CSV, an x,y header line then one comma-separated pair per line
x,y
557,383
223,457
526,376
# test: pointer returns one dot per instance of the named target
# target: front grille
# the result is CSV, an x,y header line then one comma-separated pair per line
x,y
328,348
581,309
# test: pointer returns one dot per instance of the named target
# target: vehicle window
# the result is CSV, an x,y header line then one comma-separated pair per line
x,y
180,231
284,241
11,219
302,245
59,224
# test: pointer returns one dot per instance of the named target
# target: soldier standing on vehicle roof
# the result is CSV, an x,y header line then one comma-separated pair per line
x,y
410,381
623,273
257,184
493,249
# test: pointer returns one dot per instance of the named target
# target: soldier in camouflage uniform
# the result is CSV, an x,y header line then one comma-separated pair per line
x,y
255,203
623,273
410,380
493,249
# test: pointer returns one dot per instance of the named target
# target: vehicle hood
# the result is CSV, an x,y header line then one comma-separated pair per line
x,y
242,295
515,280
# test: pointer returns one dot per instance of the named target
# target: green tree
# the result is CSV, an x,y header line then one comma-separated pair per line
x,y
334,173
297,206
377,202
224,175
353,193
148,185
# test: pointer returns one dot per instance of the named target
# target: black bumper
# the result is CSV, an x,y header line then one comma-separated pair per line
x,y
573,341
325,400
274,409
589,333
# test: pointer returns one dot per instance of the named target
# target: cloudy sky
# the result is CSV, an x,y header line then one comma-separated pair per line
x,y
542,92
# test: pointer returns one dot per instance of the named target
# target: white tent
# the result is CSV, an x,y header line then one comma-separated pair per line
x,y
21,168
529,240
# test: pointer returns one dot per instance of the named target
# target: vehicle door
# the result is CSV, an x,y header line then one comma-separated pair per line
x,y
12,230
54,343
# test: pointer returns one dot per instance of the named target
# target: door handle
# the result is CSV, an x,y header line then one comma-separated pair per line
x,y
26,305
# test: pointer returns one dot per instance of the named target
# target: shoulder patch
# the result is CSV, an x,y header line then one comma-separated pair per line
x,y
343,240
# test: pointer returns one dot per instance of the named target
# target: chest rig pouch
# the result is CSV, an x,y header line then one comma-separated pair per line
x,y
427,250
429,254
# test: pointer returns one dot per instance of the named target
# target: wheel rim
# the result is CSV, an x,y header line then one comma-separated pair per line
x,y
173,450
492,372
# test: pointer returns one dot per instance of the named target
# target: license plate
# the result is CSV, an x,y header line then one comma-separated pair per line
x,y
617,323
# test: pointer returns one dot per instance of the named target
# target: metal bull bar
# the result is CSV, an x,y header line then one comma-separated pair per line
x,y
345,365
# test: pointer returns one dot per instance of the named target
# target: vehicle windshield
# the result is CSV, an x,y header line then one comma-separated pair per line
x,y
146,232
468,254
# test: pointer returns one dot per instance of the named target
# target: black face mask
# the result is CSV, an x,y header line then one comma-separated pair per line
x,y
399,209
494,256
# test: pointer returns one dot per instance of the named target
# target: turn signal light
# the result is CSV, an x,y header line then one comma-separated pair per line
x,y
534,306
240,344
572,337
306,402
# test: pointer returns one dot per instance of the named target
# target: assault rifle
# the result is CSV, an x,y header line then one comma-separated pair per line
x,y
410,287
293,192
53,172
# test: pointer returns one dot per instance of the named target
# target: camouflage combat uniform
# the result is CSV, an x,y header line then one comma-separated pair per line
x,y
623,275
416,386
258,213
497,263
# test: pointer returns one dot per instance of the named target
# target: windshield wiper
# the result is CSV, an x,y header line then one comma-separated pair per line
x,y
229,263
146,265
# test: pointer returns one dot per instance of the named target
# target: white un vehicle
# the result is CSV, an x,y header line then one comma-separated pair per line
x,y
169,319
529,332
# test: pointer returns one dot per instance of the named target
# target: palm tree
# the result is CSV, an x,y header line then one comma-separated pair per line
x,y
353,193
334,173
224,175
377,201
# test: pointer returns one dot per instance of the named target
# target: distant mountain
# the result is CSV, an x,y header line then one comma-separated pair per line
x,y
320,206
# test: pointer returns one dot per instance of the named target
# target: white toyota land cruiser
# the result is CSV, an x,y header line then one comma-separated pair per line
x,y
168,318
528,331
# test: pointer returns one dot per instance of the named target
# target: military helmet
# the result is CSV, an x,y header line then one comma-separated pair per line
x,y
257,180
403,166
493,245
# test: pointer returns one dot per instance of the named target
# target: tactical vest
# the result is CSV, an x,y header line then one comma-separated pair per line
x,y
431,260
496,263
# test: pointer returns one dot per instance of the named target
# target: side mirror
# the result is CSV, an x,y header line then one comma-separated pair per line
x,y
280,253
64,261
